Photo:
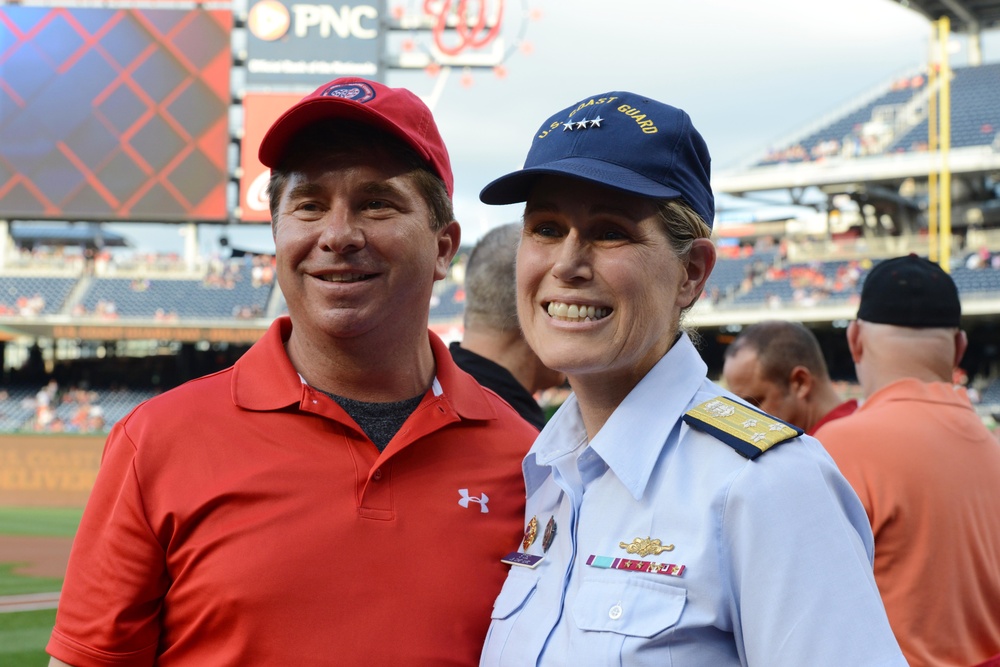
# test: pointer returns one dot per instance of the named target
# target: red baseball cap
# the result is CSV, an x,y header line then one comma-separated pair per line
x,y
394,110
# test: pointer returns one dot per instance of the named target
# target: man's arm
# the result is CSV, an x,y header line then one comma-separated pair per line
x,y
56,662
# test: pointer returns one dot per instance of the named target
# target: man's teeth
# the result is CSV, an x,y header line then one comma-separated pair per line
x,y
575,313
345,277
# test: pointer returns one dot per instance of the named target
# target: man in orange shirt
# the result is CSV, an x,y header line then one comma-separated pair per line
x,y
925,467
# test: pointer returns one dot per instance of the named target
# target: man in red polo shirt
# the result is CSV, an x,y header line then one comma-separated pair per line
x,y
344,493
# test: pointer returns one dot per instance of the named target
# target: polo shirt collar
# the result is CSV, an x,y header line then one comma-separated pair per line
x,y
264,378
469,399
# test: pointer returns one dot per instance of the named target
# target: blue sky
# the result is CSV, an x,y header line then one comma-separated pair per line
x,y
748,73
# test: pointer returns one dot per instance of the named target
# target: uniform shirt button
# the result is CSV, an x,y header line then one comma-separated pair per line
x,y
377,475
616,612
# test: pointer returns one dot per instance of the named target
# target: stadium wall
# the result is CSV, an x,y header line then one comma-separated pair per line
x,y
48,471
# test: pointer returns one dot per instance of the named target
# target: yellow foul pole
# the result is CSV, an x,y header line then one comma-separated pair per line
x,y
932,148
944,28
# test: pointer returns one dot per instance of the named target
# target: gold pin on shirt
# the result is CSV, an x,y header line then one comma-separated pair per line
x,y
646,546
530,533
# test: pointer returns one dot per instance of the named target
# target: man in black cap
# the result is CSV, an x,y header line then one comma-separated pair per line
x,y
924,465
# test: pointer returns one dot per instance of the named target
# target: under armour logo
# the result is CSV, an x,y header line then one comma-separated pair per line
x,y
482,499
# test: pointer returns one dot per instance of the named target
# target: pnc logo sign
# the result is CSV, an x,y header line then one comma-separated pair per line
x,y
270,20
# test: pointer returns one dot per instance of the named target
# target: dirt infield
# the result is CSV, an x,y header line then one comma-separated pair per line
x,y
48,470
41,556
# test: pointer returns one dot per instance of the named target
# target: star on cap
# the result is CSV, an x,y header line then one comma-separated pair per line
x,y
596,122
582,124
568,126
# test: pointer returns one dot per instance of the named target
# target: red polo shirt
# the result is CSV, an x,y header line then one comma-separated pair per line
x,y
244,519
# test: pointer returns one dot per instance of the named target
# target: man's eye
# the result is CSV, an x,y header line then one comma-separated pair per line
x,y
377,205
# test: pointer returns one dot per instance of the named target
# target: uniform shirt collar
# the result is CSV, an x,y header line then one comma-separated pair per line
x,y
264,378
631,441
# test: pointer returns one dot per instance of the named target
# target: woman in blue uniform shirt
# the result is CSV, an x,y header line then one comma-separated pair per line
x,y
667,523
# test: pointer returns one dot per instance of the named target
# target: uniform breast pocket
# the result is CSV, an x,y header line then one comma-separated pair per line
x,y
516,591
628,605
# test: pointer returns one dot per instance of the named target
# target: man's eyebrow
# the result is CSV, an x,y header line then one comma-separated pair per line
x,y
303,190
309,189
381,188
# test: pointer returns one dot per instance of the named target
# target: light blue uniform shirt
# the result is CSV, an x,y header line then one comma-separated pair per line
x,y
776,551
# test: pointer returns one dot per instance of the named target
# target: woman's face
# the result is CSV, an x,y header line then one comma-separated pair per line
x,y
600,290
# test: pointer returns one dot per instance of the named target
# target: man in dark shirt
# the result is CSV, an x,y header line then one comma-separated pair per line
x,y
492,349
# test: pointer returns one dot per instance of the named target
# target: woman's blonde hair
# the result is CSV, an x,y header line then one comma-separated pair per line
x,y
683,226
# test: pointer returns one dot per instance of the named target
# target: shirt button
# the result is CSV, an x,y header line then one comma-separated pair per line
x,y
616,612
377,475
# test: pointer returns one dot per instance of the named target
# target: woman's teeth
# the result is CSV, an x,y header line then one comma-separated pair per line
x,y
575,313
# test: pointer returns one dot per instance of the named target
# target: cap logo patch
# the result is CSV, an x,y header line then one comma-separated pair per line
x,y
358,92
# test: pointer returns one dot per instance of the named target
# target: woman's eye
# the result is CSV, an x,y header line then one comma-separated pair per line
x,y
543,229
612,235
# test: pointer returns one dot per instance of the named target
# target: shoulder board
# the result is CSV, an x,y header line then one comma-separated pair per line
x,y
748,431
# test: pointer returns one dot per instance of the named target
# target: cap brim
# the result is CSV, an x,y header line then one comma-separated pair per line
x,y
275,143
516,186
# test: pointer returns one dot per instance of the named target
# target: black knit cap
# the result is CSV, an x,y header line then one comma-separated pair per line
x,y
910,291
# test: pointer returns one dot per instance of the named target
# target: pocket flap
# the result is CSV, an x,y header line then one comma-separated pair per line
x,y
515,592
628,606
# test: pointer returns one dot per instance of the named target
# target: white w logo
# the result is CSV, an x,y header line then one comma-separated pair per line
x,y
482,499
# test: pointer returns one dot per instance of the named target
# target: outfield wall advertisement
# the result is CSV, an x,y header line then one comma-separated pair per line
x,y
57,471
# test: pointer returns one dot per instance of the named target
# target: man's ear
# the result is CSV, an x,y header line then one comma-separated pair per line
x,y
449,239
854,340
961,345
801,382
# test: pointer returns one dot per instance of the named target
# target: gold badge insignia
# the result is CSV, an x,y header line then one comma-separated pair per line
x,y
530,533
646,546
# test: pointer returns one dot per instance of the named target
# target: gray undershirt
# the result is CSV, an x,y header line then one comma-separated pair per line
x,y
379,421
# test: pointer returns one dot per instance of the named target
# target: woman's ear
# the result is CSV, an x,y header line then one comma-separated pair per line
x,y
700,262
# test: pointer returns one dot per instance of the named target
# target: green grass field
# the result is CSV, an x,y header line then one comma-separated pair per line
x,y
23,635
51,521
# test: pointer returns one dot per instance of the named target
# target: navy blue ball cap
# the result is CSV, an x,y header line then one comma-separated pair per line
x,y
622,141
911,292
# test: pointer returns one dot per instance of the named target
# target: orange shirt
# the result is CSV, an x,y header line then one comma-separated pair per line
x,y
928,473
244,519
